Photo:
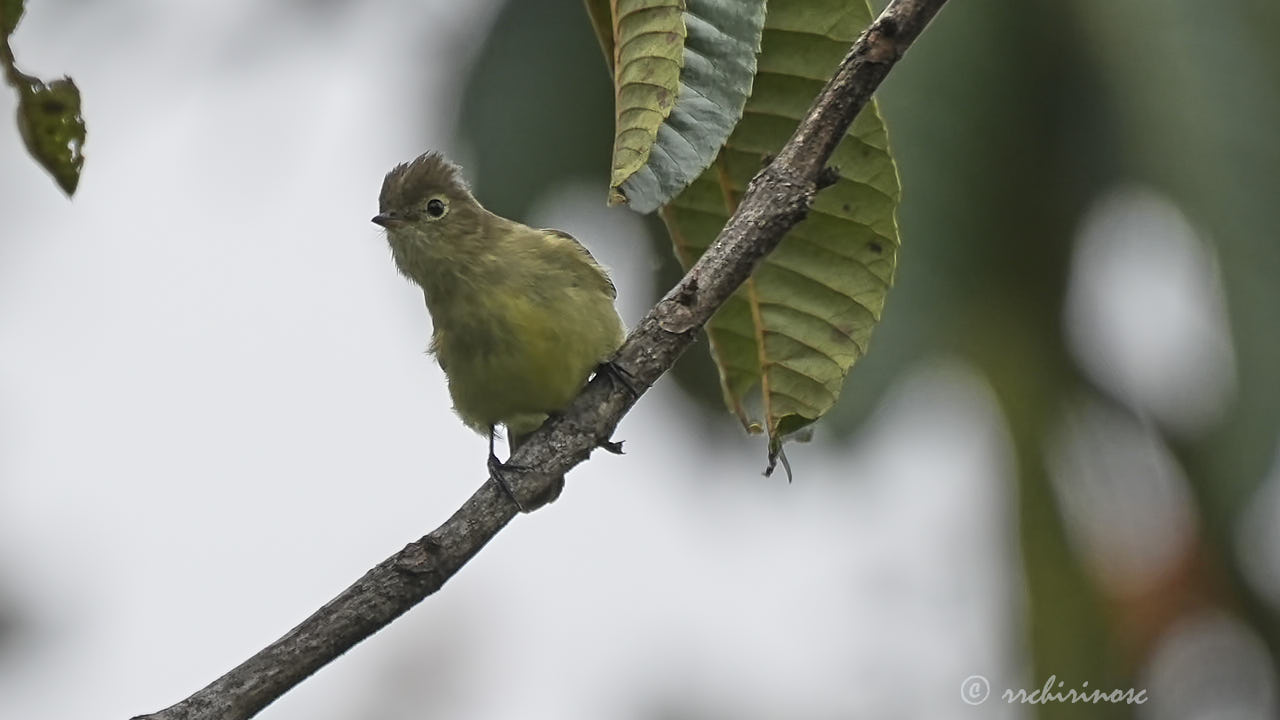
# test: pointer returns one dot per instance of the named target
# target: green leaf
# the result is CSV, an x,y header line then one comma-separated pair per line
x,y
682,74
10,14
48,113
794,329
50,123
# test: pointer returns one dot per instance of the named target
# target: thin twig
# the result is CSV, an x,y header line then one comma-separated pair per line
x,y
17,79
777,198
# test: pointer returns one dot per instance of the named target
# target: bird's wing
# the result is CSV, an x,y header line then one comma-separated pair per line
x,y
586,255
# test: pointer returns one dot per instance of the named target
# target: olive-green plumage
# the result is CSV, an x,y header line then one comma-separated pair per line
x,y
521,316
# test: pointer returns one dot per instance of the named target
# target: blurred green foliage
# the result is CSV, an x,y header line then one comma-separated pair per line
x,y
10,14
540,70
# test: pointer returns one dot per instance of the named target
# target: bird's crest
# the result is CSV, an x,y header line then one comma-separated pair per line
x,y
410,183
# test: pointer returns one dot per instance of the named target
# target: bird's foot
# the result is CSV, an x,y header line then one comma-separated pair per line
x,y
503,474
500,473
629,382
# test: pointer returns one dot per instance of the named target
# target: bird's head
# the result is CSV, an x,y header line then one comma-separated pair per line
x,y
427,200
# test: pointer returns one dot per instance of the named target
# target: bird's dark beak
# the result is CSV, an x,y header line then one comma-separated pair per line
x,y
386,219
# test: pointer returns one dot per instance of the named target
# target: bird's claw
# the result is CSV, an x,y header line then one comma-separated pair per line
x,y
498,471
628,381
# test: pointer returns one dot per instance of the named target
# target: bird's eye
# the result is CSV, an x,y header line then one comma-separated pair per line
x,y
435,208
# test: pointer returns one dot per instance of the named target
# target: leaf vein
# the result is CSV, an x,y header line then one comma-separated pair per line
x,y
821,386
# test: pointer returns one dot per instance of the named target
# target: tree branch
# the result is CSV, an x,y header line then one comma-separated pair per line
x,y
777,198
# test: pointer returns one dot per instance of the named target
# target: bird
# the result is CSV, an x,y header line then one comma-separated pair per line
x,y
521,317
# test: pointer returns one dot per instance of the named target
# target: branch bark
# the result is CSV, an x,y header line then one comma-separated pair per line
x,y
777,198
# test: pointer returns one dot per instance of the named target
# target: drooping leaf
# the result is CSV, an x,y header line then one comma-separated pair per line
x,y
682,74
48,113
51,126
794,329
